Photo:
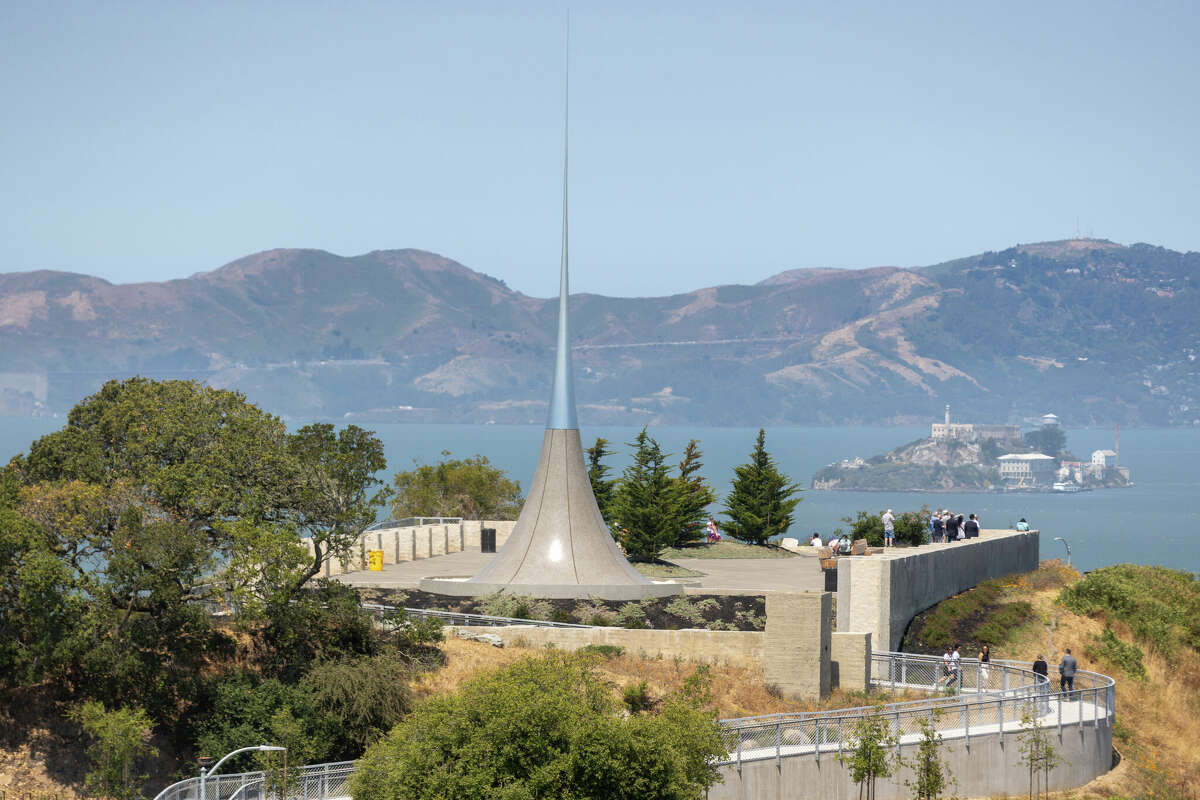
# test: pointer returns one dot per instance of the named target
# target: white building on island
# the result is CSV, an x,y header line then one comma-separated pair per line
x,y
1027,470
970,432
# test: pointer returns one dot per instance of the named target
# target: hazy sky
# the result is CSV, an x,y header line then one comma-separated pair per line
x,y
710,142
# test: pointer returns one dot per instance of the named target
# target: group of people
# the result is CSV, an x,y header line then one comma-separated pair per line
x,y
841,544
946,526
952,669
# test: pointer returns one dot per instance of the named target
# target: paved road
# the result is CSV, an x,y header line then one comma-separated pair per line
x,y
721,575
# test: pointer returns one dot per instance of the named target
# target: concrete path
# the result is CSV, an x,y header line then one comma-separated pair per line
x,y
721,575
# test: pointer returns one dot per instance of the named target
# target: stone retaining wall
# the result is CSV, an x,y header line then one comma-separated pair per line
x,y
881,593
738,648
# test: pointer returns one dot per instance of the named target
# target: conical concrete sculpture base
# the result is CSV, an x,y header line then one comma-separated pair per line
x,y
560,546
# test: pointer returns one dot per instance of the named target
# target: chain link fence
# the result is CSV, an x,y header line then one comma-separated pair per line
x,y
976,699
313,782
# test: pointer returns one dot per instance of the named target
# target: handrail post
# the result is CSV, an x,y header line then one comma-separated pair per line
x,y
1059,695
778,739
818,739
967,724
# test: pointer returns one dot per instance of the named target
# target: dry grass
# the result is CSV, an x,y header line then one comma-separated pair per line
x,y
1158,723
737,691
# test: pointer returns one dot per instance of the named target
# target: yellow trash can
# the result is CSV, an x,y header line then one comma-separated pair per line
x,y
375,560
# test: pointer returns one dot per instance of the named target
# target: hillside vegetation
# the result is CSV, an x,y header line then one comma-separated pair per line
x,y
1137,624
1100,332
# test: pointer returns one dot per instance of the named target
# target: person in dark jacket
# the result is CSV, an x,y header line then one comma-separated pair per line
x,y
952,528
1042,668
971,527
1066,673
939,527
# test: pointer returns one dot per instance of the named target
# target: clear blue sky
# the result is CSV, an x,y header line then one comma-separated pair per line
x,y
711,142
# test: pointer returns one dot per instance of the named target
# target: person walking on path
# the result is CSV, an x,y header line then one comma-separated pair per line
x,y
985,668
955,669
947,668
1040,667
1066,674
889,528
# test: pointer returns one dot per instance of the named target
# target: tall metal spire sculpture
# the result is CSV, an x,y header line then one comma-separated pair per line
x,y
561,546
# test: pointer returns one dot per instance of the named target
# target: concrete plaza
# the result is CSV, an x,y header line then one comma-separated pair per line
x,y
719,575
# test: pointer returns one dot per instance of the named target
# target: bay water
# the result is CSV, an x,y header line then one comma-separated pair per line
x,y
1154,522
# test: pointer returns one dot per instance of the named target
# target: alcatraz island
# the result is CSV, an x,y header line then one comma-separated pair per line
x,y
964,456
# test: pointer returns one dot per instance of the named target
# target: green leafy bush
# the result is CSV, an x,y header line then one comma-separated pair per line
x,y
544,727
1122,655
119,739
1161,606
637,698
602,650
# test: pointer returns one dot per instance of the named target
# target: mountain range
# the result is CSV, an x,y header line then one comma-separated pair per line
x,y
1094,331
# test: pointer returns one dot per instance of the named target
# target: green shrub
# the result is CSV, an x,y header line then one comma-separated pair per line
x,y
1125,657
515,606
545,726
637,698
631,615
119,738
602,650
1160,605
684,609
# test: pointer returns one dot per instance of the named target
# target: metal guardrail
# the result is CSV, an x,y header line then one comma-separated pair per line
x,y
314,782
986,699
455,618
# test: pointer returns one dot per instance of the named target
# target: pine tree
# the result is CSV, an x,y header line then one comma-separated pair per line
x,y
643,503
761,500
692,497
602,487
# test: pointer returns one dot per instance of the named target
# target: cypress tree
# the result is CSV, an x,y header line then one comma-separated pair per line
x,y
602,486
692,497
643,503
761,499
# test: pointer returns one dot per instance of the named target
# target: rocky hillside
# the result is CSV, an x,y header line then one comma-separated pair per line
x,y
1094,330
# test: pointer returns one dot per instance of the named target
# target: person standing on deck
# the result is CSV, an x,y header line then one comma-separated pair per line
x,y
889,528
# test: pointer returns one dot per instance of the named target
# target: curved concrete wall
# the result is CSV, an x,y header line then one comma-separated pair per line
x,y
989,765
881,593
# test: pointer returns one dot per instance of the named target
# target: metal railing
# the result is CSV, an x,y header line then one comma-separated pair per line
x,y
986,699
455,618
314,782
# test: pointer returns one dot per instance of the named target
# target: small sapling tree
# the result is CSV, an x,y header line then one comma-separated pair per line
x,y
1037,753
869,753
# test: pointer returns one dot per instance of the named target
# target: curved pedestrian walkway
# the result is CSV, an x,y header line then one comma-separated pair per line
x,y
789,756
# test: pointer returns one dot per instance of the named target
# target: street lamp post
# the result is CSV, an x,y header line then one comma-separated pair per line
x,y
1064,541
261,748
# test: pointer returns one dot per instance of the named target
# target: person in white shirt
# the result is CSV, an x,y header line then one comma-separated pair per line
x,y
889,528
816,540
947,662
955,668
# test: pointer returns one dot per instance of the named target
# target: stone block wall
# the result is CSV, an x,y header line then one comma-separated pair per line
x,y
850,660
796,650
739,648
